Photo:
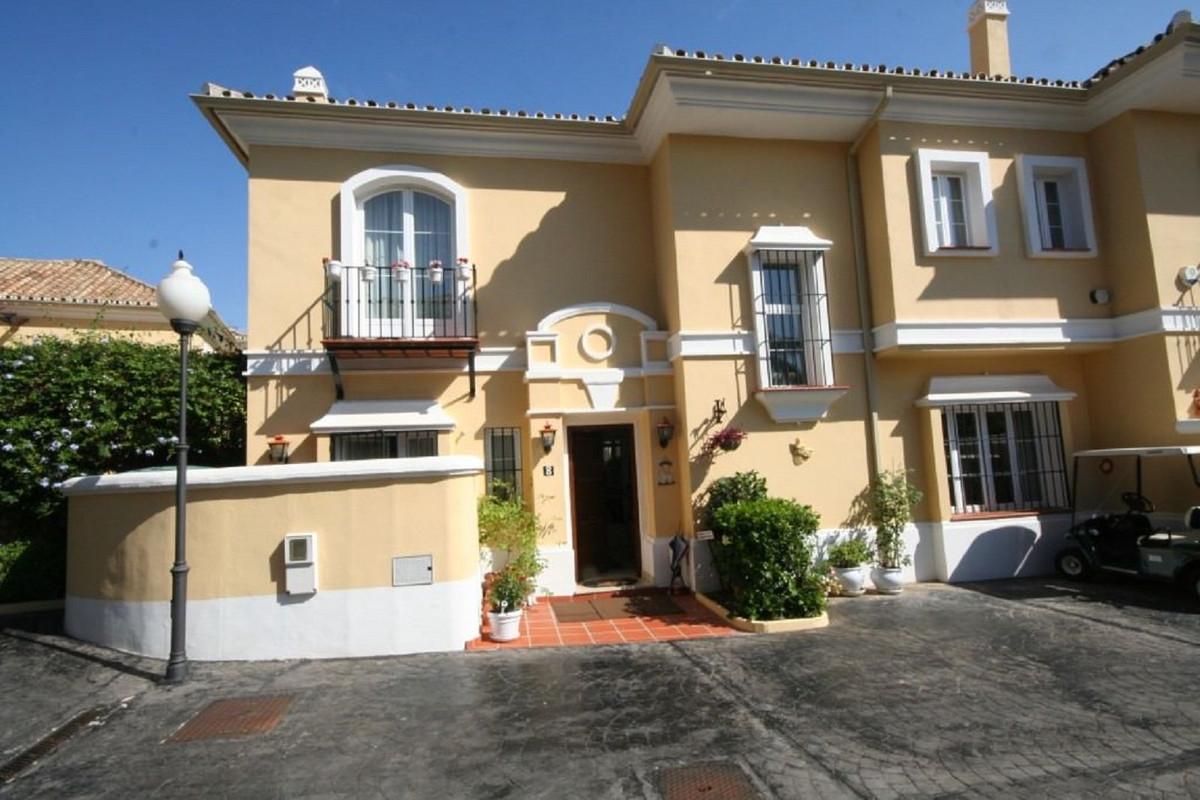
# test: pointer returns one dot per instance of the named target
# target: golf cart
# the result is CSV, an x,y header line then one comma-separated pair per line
x,y
1128,543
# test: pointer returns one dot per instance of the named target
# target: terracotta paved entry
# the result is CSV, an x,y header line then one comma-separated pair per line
x,y
541,628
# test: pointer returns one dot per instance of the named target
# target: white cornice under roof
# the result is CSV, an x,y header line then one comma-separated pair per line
x,y
681,94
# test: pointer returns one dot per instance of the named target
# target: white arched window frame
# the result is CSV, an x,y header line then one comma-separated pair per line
x,y
355,193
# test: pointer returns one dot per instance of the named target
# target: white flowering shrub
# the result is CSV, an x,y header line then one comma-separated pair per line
x,y
97,404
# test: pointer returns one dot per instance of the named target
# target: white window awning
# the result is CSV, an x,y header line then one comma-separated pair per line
x,y
978,389
350,416
787,237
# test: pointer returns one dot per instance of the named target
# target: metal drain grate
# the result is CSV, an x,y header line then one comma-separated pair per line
x,y
48,744
715,781
233,717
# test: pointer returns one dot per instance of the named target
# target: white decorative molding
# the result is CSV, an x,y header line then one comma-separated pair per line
x,y
1017,333
800,404
974,389
292,363
653,364
592,353
986,8
787,237
618,374
550,320
348,416
535,413
314,472
309,82
729,344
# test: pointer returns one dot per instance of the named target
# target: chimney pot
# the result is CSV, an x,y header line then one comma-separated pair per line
x,y
987,26
308,82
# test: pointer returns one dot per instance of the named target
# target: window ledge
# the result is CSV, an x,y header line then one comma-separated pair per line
x,y
978,515
799,403
965,252
1073,252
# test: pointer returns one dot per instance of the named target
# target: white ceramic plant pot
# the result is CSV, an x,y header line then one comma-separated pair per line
x,y
852,580
505,626
887,580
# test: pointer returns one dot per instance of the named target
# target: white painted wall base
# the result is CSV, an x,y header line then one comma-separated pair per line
x,y
328,624
558,578
988,549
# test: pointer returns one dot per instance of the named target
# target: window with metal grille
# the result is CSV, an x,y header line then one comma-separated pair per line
x,y
384,444
502,461
795,347
1005,457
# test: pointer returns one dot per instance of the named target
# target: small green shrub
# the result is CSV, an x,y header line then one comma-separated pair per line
x,y
740,486
509,590
505,523
765,558
853,552
891,499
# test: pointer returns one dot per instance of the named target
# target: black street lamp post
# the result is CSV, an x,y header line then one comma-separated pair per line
x,y
184,300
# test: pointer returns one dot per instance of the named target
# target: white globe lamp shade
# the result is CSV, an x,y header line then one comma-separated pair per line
x,y
182,296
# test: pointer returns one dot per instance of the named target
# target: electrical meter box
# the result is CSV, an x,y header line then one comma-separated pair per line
x,y
300,563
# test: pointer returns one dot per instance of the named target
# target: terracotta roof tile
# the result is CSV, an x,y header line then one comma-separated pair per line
x,y
73,280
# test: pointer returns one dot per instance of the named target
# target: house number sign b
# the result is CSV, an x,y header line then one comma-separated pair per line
x,y
548,471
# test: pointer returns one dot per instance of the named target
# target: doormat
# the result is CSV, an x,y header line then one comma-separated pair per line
x,y
718,781
234,717
575,611
638,605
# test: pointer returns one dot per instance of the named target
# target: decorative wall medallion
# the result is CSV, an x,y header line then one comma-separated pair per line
x,y
588,345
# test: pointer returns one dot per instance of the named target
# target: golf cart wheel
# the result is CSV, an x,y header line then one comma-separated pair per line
x,y
1072,563
1191,583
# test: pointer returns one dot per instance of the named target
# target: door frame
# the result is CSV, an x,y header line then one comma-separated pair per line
x,y
637,421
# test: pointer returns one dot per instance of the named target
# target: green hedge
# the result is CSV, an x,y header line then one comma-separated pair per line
x,y
95,404
33,569
763,549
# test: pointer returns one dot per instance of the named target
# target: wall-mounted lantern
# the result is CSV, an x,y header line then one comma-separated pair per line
x,y
666,472
548,434
718,412
278,446
666,432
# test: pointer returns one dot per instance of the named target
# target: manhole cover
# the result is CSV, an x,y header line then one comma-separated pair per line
x,y
705,782
233,717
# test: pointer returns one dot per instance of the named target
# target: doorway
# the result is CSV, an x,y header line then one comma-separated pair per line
x,y
604,503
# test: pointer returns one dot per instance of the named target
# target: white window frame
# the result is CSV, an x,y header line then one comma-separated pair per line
x,y
813,314
1070,171
974,169
360,188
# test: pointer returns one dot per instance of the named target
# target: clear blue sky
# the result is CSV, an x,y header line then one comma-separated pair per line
x,y
104,155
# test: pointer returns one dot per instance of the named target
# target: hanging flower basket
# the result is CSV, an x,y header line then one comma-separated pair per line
x,y
435,271
726,440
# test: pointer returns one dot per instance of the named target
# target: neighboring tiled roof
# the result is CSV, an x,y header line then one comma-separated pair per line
x,y
73,280
214,90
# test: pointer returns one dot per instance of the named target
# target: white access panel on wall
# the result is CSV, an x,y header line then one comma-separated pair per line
x,y
300,563
412,571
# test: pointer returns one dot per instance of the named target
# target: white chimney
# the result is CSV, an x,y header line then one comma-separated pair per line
x,y
309,82
987,25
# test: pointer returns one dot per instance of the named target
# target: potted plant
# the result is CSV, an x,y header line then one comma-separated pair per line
x,y
726,439
435,271
400,270
463,271
847,558
891,500
505,601
507,526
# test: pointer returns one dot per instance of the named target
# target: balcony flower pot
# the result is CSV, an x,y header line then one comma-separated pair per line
x,y
435,271
887,580
852,579
463,270
505,625
401,271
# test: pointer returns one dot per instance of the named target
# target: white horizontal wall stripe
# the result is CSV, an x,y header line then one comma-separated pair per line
x,y
314,472
292,363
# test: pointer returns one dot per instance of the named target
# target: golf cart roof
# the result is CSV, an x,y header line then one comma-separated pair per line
x,y
1145,452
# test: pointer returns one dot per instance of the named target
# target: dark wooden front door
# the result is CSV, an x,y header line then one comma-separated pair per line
x,y
604,500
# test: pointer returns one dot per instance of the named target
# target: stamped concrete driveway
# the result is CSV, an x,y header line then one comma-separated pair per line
x,y
1015,690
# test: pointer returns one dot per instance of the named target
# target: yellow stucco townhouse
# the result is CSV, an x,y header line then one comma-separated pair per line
x,y
968,275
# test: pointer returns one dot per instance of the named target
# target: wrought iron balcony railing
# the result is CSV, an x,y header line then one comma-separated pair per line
x,y
399,302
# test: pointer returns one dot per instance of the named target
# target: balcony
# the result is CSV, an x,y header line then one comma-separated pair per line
x,y
399,312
